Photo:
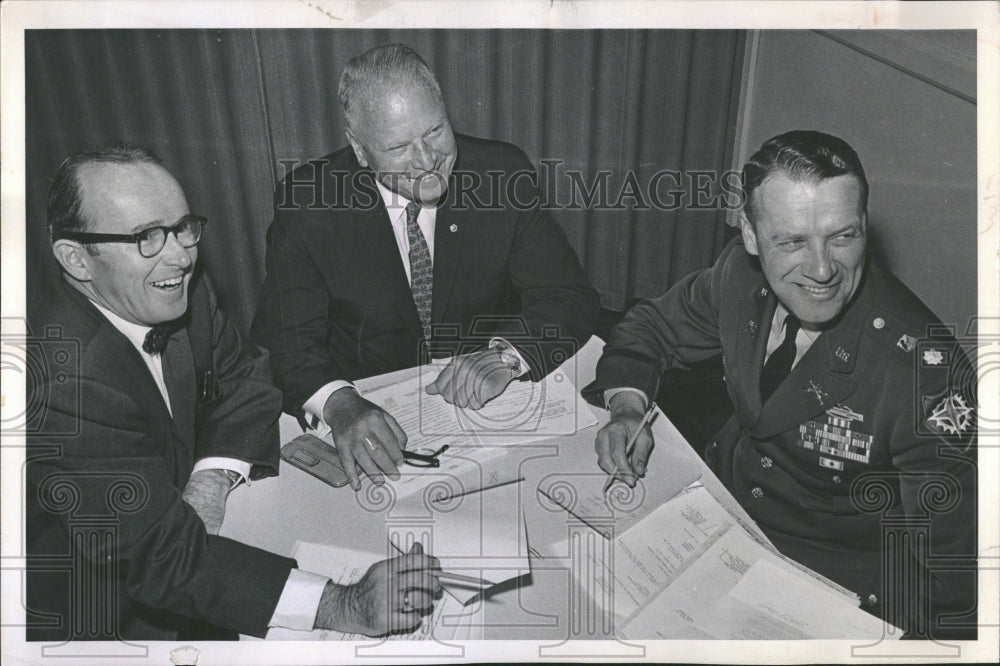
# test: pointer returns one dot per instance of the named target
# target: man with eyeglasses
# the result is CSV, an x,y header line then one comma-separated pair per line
x,y
152,410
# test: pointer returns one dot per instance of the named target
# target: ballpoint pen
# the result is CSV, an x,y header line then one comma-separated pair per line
x,y
647,418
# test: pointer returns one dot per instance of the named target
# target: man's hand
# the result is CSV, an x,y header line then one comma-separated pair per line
x,y
365,435
472,380
206,492
390,598
627,410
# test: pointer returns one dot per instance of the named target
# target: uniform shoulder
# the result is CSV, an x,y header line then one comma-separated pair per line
x,y
900,321
893,300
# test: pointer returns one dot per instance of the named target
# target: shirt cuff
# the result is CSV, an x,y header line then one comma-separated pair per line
x,y
314,405
610,393
299,601
232,464
525,368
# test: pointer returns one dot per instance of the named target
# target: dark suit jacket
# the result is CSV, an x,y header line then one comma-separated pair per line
x,y
336,303
854,456
107,464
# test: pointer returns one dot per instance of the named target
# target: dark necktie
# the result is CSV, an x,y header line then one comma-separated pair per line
x,y
779,363
156,339
421,269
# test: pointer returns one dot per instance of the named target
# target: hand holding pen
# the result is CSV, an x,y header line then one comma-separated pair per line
x,y
624,444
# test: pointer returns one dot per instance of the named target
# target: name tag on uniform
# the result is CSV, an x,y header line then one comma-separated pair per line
x,y
836,438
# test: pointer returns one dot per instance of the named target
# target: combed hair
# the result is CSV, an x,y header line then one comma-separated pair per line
x,y
65,201
379,69
804,155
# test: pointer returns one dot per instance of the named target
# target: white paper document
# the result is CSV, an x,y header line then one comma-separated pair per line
x,y
450,620
672,466
482,534
524,413
688,570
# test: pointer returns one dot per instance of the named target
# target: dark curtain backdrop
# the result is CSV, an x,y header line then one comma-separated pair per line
x,y
224,107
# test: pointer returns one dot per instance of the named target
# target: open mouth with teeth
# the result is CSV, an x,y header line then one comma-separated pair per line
x,y
819,291
169,284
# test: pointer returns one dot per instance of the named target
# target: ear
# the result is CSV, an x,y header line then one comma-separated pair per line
x,y
74,259
359,150
749,236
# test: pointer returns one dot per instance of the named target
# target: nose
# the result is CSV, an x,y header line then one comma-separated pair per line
x,y
424,156
819,265
175,254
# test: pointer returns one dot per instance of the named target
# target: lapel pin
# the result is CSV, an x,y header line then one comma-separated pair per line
x,y
816,390
907,343
750,328
453,228
842,354
763,291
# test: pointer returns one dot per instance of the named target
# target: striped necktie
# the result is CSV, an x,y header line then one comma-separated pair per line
x,y
421,268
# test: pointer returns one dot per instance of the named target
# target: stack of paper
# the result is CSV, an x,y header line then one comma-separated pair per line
x,y
688,570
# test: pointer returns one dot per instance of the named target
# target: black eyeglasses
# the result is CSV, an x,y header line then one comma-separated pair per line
x,y
149,241
424,459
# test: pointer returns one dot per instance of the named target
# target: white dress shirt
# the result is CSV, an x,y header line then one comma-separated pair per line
x,y
299,600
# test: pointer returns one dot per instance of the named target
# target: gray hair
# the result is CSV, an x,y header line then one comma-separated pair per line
x,y
380,69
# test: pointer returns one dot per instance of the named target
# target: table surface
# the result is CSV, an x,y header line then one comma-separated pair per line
x,y
277,512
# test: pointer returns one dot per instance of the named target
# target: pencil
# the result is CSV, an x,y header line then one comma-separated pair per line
x,y
647,418
447,575
478,490
482,582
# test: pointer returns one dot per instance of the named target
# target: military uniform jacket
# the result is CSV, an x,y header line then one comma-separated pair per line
x,y
864,451
114,551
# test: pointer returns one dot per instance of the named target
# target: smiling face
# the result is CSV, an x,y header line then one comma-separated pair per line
x,y
405,137
124,199
810,238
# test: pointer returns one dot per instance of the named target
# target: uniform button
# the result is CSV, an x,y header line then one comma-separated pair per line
x,y
872,600
879,323
837,479
757,492
766,463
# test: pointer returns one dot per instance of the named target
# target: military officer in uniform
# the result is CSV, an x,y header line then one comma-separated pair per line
x,y
852,439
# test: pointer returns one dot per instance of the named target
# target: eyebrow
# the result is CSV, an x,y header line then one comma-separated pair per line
x,y
854,226
148,225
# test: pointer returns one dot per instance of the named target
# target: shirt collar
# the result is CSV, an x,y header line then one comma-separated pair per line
x,y
778,325
136,333
395,203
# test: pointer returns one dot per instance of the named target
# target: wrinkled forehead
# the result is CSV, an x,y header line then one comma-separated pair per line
x,y
117,198
786,189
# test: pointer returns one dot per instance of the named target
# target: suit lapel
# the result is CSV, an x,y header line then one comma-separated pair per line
x,y
386,265
178,375
448,257
756,311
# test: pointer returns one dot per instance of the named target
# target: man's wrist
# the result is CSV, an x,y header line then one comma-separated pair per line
x,y
625,401
335,609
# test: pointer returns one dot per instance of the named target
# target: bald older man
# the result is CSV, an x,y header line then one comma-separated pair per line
x,y
411,238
